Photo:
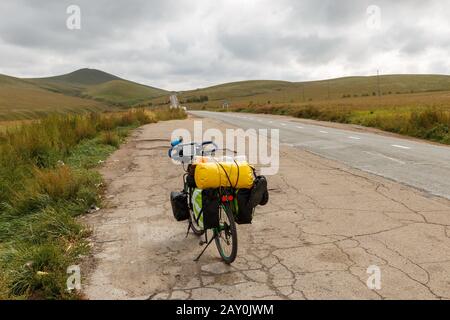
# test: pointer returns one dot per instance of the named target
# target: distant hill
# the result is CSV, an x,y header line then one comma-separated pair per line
x,y
263,91
83,77
99,85
84,89
122,91
20,99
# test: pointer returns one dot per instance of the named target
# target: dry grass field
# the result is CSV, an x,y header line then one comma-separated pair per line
x,y
81,91
414,105
47,179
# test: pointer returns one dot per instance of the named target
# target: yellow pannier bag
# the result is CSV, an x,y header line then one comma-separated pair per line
x,y
211,175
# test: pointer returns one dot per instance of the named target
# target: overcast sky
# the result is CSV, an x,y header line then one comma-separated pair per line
x,y
182,44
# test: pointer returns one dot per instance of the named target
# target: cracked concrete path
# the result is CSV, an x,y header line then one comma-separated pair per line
x,y
324,226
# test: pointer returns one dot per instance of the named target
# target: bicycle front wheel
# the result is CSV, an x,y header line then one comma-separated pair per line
x,y
194,225
226,235
196,229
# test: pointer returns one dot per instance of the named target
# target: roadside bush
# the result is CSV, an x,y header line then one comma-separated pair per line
x,y
58,183
27,201
38,144
196,99
308,112
110,138
439,132
168,114
45,181
144,117
54,224
38,272
84,128
107,122
432,123
269,109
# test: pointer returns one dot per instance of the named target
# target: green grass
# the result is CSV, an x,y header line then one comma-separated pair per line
x,y
47,179
425,122
122,92
89,153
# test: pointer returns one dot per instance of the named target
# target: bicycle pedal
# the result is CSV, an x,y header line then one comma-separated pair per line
x,y
201,243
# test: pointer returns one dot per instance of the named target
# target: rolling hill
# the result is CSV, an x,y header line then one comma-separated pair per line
x,y
90,89
79,91
82,77
122,91
20,99
99,85
264,91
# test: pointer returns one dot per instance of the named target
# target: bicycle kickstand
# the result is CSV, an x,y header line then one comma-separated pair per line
x,y
204,249
189,228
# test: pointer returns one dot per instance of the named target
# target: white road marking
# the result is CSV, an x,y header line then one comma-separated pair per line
x,y
383,156
355,138
283,124
270,121
401,147
323,131
299,127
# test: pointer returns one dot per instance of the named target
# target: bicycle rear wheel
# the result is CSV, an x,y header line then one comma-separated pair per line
x,y
226,235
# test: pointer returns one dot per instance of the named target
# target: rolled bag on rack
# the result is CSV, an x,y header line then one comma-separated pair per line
x,y
213,175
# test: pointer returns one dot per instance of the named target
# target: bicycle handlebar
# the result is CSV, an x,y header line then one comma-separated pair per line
x,y
197,151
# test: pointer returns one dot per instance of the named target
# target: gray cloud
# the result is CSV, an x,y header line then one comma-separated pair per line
x,y
187,44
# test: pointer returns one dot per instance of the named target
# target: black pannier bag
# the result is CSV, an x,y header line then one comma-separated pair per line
x,y
190,177
180,208
245,209
210,208
259,193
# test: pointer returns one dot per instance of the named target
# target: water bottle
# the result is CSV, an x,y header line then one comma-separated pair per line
x,y
176,142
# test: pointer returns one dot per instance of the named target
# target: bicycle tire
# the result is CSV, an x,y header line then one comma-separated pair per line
x,y
231,228
264,199
194,226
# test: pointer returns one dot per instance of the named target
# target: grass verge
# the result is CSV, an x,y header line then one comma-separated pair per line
x,y
47,179
429,122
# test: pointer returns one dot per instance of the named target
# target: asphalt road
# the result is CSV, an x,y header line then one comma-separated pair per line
x,y
325,227
418,164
